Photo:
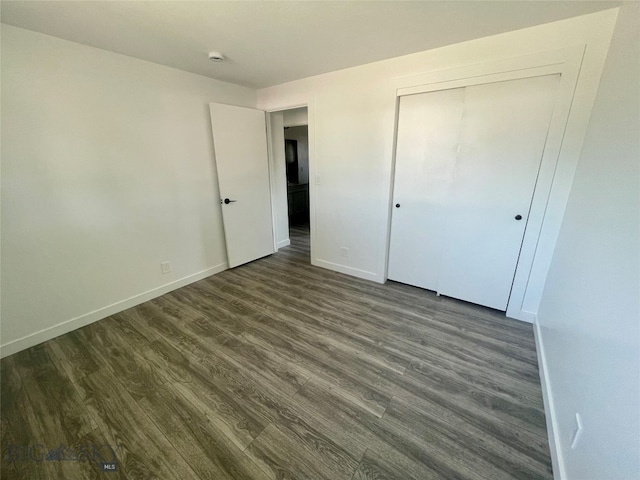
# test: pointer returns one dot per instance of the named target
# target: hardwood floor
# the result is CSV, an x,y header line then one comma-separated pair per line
x,y
281,370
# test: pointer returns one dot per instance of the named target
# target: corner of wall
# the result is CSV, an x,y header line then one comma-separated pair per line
x,y
557,461
61,328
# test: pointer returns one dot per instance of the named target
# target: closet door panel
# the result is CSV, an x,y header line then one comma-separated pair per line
x,y
428,136
502,139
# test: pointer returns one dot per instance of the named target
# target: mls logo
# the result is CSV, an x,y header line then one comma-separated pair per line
x,y
109,466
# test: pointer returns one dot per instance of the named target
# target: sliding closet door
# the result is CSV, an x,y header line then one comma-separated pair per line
x,y
501,144
473,227
428,134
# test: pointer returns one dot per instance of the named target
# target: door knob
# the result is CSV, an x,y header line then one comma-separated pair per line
x,y
397,205
518,217
227,201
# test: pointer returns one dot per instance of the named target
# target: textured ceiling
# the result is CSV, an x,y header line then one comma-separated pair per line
x,y
271,42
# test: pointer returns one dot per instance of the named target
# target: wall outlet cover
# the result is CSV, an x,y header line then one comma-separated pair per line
x,y
577,433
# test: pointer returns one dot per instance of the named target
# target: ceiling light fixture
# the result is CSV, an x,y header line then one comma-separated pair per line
x,y
216,57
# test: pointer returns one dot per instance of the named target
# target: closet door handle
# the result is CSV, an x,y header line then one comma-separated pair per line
x,y
518,217
397,205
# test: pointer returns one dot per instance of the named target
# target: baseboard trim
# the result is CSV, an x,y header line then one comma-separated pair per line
x,y
67,326
557,461
522,315
283,243
354,272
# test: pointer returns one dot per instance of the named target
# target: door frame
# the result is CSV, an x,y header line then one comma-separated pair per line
x,y
557,166
309,105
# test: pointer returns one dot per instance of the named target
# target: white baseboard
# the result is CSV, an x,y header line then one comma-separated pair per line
x,y
61,328
283,243
522,315
557,461
354,272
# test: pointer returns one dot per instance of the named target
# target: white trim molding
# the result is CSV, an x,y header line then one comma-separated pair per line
x,y
67,326
354,272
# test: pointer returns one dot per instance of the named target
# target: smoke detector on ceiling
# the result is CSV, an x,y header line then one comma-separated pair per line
x,y
216,57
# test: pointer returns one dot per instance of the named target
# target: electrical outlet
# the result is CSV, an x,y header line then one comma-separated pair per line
x,y
166,267
344,251
577,432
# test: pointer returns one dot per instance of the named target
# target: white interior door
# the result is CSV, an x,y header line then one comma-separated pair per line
x,y
501,145
428,135
489,182
240,146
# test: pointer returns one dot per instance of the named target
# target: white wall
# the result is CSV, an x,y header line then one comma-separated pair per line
x,y
107,170
351,124
589,319
300,135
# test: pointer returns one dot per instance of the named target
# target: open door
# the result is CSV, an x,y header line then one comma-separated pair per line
x,y
240,146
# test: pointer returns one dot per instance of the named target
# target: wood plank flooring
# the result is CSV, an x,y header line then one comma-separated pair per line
x,y
280,370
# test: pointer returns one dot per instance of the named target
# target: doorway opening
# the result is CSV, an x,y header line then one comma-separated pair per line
x,y
290,183
296,148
